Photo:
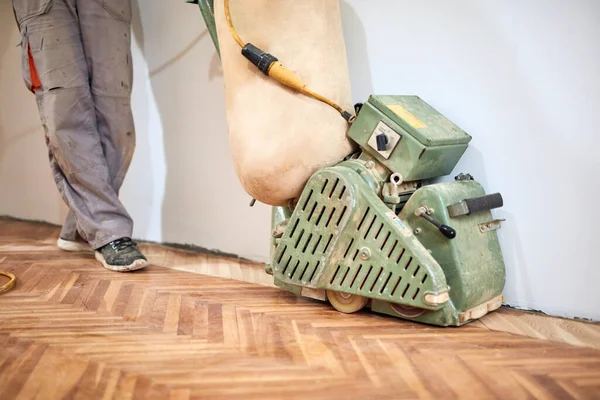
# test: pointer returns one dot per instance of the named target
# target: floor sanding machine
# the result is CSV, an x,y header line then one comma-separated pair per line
x,y
372,231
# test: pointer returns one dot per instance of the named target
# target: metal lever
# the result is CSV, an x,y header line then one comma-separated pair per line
x,y
445,230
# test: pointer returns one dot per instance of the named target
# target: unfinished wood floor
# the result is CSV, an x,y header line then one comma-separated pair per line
x,y
71,329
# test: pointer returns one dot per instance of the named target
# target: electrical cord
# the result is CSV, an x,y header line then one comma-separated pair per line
x,y
10,284
271,67
230,24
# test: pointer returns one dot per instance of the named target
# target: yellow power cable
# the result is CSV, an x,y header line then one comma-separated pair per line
x,y
231,28
9,285
283,75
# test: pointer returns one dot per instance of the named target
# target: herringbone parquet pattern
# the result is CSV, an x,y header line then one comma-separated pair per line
x,y
71,329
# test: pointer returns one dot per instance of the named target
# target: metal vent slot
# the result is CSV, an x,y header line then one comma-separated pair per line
x,y
282,254
337,181
307,200
408,263
378,232
342,192
349,247
406,289
416,271
400,256
294,227
331,216
294,270
416,293
385,241
307,243
328,243
313,271
324,186
396,286
370,226
334,275
299,238
341,216
366,277
376,279
385,285
424,279
344,278
320,216
392,250
317,245
356,275
286,264
304,270
362,221
312,211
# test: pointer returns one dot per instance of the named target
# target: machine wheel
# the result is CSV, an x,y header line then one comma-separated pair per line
x,y
345,302
407,311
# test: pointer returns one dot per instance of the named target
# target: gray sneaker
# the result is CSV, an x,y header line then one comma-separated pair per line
x,y
121,255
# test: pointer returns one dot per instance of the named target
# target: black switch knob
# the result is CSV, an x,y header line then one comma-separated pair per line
x,y
382,142
445,230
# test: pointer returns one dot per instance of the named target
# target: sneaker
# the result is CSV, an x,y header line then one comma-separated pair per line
x,y
71,245
121,255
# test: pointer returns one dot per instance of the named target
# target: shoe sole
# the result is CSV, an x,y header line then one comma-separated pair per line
x,y
68,245
136,265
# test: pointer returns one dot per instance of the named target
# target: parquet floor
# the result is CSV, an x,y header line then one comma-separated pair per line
x,y
71,329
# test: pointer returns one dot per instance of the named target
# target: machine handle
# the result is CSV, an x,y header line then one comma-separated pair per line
x,y
476,204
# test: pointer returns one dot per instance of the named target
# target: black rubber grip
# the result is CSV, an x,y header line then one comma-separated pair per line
x,y
484,203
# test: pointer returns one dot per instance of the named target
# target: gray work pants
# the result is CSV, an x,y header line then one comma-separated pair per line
x,y
76,59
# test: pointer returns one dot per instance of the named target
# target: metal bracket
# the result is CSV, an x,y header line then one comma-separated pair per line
x,y
490,226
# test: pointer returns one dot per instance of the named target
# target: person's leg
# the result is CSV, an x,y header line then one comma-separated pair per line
x,y
56,70
106,36
69,239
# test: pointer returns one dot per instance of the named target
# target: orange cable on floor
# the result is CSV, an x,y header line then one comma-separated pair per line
x,y
10,284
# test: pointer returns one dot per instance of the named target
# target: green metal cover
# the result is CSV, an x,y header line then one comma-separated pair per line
x,y
421,120
341,237
473,261
411,158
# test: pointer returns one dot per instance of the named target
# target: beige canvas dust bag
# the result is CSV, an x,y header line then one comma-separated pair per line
x,y
279,137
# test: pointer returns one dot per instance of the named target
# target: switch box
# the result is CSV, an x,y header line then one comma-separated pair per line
x,y
421,142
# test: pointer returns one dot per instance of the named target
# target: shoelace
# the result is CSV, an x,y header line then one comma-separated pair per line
x,y
121,244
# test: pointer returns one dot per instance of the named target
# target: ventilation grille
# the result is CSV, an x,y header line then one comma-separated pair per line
x,y
391,271
315,223
340,238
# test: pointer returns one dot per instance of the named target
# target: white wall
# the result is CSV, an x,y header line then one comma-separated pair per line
x,y
520,77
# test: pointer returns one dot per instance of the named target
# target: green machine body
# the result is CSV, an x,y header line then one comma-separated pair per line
x,y
370,232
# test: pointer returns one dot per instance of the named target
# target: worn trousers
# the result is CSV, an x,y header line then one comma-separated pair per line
x,y
76,60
